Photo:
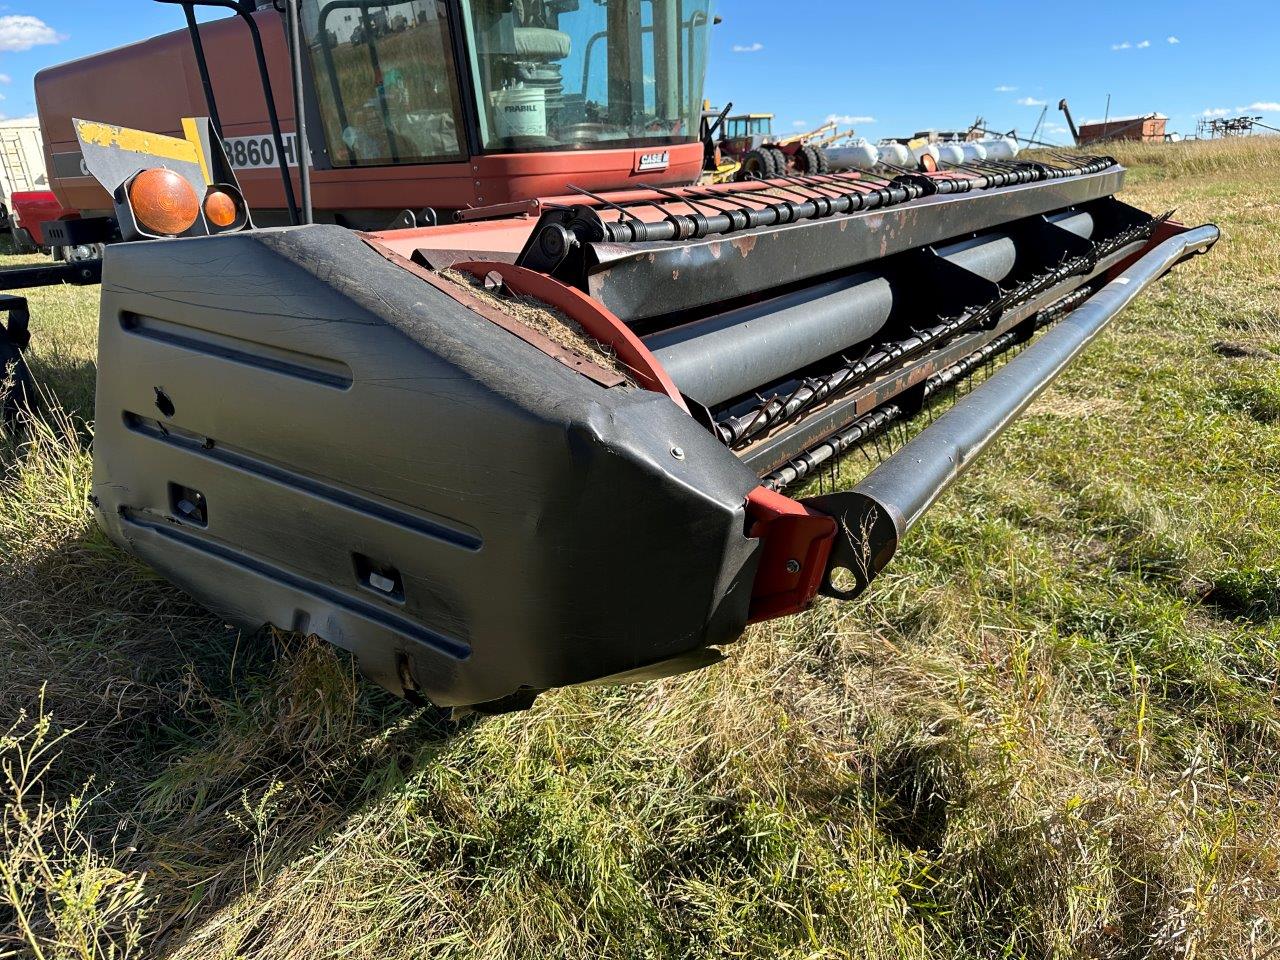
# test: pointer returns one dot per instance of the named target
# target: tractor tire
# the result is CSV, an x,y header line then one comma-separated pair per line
x,y
759,165
781,156
824,162
17,390
809,160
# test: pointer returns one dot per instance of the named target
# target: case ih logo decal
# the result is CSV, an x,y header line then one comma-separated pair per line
x,y
659,160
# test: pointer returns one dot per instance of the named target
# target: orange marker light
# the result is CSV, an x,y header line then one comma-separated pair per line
x,y
220,209
164,202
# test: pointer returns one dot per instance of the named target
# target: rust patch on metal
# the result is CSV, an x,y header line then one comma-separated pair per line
x,y
744,244
890,386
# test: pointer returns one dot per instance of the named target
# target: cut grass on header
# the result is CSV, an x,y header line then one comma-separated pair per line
x,y
1052,730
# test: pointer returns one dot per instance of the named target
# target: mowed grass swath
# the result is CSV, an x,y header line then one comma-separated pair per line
x,y
1052,728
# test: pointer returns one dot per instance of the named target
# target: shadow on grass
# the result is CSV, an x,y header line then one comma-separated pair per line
x,y
1248,594
217,757
72,380
62,383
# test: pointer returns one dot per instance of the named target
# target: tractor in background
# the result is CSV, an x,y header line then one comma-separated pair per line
x,y
744,148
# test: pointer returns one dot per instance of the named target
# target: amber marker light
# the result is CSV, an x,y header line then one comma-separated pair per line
x,y
220,208
164,202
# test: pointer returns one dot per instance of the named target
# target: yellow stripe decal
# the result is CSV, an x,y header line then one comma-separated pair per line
x,y
136,141
192,134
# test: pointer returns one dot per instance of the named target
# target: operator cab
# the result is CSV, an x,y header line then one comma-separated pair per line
x,y
430,107
747,132
429,81
748,125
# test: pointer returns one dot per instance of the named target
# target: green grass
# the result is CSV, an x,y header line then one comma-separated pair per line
x,y
1051,730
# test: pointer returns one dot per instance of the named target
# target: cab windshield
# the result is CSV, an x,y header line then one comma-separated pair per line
x,y
547,75
553,74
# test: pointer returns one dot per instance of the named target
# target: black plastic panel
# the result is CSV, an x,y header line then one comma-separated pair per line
x,y
380,466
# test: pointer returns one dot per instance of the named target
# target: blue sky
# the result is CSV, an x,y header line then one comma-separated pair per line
x,y
939,65
894,68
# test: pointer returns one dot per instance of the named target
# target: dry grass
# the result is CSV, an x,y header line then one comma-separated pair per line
x,y
1249,156
1052,731
544,319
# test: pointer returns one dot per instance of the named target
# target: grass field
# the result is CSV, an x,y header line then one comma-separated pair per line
x,y
1052,730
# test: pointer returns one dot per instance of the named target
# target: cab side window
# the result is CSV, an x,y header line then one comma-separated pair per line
x,y
385,81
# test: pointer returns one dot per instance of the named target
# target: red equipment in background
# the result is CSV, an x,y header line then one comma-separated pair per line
x,y
32,208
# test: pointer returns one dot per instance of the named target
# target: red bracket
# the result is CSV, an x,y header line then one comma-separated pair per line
x,y
796,545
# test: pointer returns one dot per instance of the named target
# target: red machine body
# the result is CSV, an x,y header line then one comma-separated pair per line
x,y
150,85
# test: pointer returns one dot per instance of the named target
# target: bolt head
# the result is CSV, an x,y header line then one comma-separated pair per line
x,y
793,566
677,452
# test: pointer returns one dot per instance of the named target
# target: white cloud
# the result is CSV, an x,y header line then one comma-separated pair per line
x,y
1142,45
1005,88
848,120
5,78
1030,102
1171,39
22,32
1266,106
1055,128
1216,112
800,124
1121,46
748,48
